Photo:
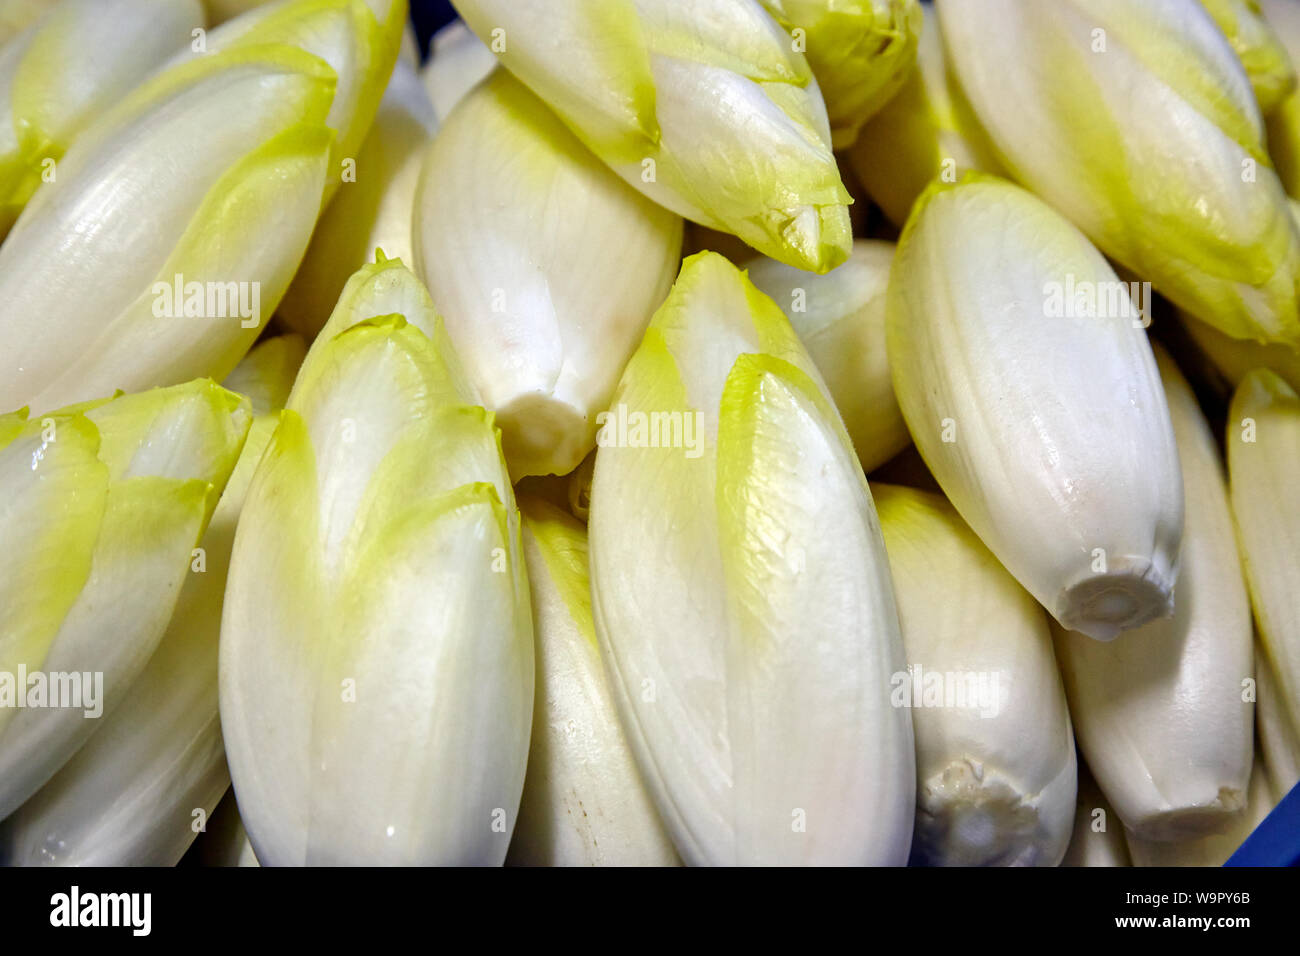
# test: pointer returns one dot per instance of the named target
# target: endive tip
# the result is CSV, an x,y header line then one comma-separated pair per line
x,y
392,321
938,186
1263,386
1132,591
820,237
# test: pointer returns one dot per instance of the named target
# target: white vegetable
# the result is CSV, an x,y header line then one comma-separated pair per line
x,y
995,755
1163,715
1044,423
741,593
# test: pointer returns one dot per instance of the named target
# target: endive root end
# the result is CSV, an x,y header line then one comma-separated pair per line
x,y
1131,592
1192,822
968,815
542,435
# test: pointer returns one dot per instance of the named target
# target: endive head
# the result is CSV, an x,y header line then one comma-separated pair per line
x,y
1269,68
378,549
708,110
129,795
107,499
50,89
547,295
228,154
996,768
1025,376
861,52
1137,121
740,591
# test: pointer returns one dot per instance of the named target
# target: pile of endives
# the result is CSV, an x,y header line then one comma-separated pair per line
x,y
650,433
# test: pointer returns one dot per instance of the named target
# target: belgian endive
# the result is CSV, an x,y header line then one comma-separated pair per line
x,y
840,318
741,592
584,802
1163,713
376,665
706,108
145,784
1263,444
61,74
545,266
1137,121
1028,384
178,219
372,209
860,52
996,770
1267,64
926,131
103,505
